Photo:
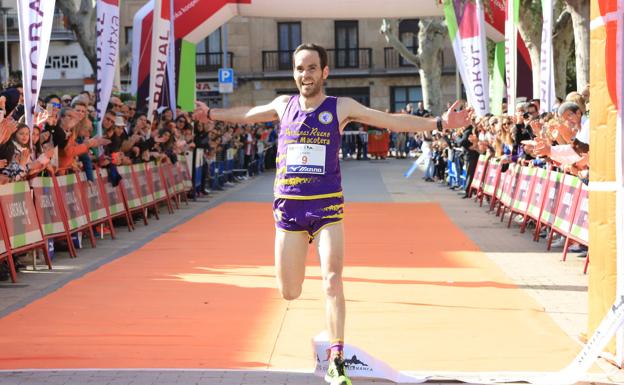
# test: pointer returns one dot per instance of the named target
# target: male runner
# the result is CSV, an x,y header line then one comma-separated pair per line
x,y
308,193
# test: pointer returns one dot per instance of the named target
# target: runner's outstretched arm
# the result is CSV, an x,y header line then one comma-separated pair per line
x,y
350,110
246,115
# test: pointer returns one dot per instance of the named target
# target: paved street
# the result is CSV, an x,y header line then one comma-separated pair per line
x,y
560,287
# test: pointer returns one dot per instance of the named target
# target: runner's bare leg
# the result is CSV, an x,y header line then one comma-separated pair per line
x,y
291,249
330,246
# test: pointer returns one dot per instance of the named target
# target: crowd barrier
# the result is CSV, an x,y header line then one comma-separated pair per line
x,y
551,199
48,208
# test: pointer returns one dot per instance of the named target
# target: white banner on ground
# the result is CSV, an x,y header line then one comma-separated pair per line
x,y
160,54
361,364
35,27
107,51
511,53
547,74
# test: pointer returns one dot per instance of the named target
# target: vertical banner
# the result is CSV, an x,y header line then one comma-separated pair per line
x,y
171,68
107,51
606,197
187,76
547,74
35,27
160,54
511,52
466,24
498,79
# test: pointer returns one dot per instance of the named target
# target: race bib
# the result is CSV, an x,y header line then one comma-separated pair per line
x,y
305,159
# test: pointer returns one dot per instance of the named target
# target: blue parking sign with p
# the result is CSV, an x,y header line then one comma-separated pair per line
x,y
226,75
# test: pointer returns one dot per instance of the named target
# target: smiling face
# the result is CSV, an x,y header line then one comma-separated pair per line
x,y
23,136
308,74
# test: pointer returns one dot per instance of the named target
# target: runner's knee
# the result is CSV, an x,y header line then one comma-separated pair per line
x,y
291,292
332,283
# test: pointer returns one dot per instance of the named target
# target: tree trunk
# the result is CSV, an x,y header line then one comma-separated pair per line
x,y
82,20
530,29
579,10
431,36
563,38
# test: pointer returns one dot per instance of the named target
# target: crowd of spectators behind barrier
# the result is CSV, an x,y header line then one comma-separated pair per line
x,y
64,140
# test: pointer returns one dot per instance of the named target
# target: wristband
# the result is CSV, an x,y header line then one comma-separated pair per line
x,y
439,124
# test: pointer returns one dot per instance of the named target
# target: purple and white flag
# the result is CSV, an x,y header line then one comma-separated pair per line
x,y
107,51
35,27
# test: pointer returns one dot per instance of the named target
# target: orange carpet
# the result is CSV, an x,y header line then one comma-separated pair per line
x,y
421,296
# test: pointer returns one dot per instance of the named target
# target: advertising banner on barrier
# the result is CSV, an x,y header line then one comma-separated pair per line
x,y
71,195
132,195
97,208
492,177
479,173
153,176
178,177
35,27
521,199
536,201
115,200
183,170
509,188
20,215
504,178
552,198
580,224
47,206
565,209
145,191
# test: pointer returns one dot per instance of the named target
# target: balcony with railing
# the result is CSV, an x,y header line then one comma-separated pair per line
x,y
393,61
355,59
60,28
212,61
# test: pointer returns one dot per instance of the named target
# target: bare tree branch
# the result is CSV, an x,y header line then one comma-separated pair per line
x,y
389,31
82,21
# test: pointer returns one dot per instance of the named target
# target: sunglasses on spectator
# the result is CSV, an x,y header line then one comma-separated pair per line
x,y
56,105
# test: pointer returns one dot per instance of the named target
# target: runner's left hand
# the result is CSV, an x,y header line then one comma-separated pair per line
x,y
456,119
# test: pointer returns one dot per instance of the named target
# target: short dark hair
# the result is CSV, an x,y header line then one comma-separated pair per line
x,y
313,47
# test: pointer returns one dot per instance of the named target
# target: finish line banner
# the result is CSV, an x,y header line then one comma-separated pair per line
x,y
35,27
361,364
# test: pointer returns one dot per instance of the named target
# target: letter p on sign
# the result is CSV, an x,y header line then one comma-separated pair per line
x,y
226,80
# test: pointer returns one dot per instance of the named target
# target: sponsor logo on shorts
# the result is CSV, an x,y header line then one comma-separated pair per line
x,y
326,117
302,169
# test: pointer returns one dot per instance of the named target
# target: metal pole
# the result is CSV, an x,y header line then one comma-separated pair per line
x,y
6,49
458,93
224,46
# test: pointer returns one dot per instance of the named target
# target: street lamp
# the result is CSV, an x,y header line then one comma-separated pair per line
x,y
4,11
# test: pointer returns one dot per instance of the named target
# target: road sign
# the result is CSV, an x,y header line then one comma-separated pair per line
x,y
226,80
